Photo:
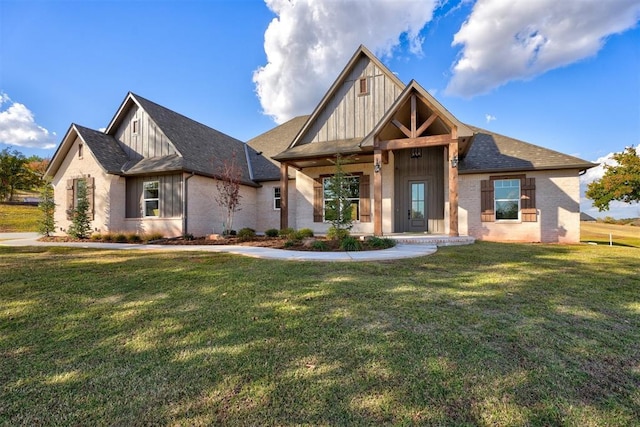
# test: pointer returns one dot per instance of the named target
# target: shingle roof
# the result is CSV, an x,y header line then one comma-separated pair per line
x,y
105,148
277,139
327,148
170,163
492,152
203,149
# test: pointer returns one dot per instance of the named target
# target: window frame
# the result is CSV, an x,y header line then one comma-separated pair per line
x,y
358,210
146,199
135,127
363,86
277,198
516,199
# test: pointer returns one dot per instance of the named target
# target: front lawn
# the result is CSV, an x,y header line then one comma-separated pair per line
x,y
487,334
18,218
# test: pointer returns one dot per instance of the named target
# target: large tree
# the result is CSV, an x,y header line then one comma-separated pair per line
x,y
620,182
14,174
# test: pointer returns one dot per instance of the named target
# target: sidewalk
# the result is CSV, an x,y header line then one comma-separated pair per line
x,y
400,251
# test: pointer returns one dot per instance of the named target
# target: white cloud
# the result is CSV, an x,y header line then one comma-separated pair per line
x,y
311,40
616,209
18,127
489,118
518,39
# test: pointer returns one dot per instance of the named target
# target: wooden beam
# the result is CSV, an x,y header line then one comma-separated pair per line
x,y
453,185
402,127
377,195
422,141
414,117
385,157
426,124
284,196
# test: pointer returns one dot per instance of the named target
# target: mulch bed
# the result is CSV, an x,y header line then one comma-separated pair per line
x,y
258,241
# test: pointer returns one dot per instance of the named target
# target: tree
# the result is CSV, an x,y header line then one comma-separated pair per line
x,y
14,175
228,186
338,190
46,223
81,223
620,182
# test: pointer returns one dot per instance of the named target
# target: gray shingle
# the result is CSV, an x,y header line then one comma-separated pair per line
x,y
492,152
204,150
105,148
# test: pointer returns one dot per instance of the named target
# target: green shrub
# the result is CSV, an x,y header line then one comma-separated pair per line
x,y
381,243
291,243
107,237
272,232
246,234
350,244
96,237
319,245
120,238
337,233
134,238
303,233
286,232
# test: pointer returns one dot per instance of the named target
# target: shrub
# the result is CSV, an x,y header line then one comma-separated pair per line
x,y
303,233
350,244
153,236
120,238
107,237
134,238
319,245
229,233
272,232
290,243
286,232
187,236
96,237
381,243
337,233
246,234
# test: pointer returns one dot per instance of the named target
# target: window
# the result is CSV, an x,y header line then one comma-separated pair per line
x,y
352,190
276,198
80,151
363,88
135,125
507,199
151,199
73,190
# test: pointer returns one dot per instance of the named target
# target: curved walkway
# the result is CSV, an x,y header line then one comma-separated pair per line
x,y
400,251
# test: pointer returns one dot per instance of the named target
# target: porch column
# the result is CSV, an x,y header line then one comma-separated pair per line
x,y
284,195
453,185
377,192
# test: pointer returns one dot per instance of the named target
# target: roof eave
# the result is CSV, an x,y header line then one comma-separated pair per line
x,y
580,167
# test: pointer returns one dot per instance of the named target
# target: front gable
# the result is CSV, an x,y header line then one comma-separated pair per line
x,y
137,132
355,103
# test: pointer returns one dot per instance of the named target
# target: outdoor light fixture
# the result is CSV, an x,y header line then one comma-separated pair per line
x,y
416,153
376,166
454,161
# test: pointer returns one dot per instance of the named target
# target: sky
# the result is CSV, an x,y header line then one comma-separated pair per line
x,y
560,74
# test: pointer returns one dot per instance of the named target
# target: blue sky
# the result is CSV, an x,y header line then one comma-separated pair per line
x,y
563,75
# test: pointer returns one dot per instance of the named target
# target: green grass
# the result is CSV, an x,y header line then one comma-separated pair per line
x,y
598,232
488,334
18,218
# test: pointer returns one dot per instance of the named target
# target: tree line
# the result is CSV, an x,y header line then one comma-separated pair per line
x,y
18,172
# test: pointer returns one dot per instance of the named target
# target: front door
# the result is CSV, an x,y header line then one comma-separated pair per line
x,y
416,212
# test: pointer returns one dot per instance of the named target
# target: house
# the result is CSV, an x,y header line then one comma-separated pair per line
x,y
413,168
154,171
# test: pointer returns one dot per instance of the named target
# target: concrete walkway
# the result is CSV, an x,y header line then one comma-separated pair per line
x,y
400,251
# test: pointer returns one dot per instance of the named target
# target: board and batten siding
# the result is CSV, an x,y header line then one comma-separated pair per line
x,y
170,194
148,141
350,115
430,167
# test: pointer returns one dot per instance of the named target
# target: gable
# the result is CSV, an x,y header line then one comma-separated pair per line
x,y
139,135
346,112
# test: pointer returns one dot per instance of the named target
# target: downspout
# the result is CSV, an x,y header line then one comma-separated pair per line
x,y
185,197
249,165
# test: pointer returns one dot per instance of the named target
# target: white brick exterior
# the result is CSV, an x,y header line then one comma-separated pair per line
x,y
557,203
